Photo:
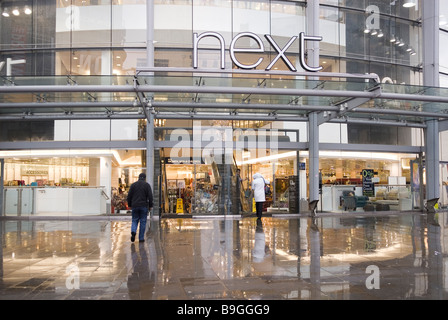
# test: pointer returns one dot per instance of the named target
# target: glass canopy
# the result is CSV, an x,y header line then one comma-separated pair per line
x,y
236,96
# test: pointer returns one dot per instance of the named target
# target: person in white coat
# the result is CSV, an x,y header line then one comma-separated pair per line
x,y
258,184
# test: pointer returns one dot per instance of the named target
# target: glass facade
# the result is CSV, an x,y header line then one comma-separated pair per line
x,y
105,42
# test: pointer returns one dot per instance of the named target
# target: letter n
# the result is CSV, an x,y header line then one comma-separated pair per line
x,y
196,39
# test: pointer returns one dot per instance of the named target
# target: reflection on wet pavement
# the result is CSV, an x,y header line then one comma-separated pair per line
x,y
400,256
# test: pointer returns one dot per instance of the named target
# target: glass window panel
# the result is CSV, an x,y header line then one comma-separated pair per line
x,y
287,20
252,16
91,23
443,48
90,130
83,62
332,30
11,131
175,32
125,62
129,23
205,15
15,28
392,7
395,41
178,58
443,18
444,80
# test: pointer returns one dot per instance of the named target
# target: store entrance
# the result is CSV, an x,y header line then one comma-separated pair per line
x,y
190,188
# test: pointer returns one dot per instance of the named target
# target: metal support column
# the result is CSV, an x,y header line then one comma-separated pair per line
x,y
150,111
312,15
313,130
150,155
430,38
430,26
150,33
312,18
432,159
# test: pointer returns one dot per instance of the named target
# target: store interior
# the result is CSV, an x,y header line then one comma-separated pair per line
x,y
194,188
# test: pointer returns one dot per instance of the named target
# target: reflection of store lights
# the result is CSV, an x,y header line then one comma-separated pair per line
x,y
16,11
328,154
409,3
67,153
393,39
270,158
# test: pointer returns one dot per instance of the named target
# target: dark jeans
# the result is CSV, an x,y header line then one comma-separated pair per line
x,y
259,208
139,215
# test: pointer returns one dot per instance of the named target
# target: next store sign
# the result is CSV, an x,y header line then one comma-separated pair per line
x,y
280,51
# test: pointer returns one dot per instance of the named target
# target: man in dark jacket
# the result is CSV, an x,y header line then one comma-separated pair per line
x,y
140,199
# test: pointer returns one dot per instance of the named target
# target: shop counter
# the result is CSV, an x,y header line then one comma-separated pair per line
x,y
332,196
54,201
70,200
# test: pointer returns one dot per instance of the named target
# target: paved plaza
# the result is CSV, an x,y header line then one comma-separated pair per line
x,y
345,257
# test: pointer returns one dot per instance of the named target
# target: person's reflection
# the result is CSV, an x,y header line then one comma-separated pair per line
x,y
261,249
315,251
141,282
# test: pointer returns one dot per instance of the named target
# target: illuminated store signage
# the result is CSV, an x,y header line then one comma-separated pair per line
x,y
281,52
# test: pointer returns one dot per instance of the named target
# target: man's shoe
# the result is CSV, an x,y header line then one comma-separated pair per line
x,y
132,236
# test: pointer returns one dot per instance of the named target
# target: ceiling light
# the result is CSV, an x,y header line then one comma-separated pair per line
x,y
5,13
401,43
392,39
409,3
374,32
27,10
16,12
366,30
380,34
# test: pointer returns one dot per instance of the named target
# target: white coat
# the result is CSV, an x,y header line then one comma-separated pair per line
x,y
258,184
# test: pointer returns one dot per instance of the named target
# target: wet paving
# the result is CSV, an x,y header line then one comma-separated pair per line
x,y
349,257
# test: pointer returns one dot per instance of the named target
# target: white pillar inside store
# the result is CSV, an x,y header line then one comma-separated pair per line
x,y
313,156
432,159
100,174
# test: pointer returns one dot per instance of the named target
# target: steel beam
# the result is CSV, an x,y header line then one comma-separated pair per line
x,y
371,76
224,90
196,116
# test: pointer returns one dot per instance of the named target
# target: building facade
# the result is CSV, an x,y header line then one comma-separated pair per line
x,y
334,100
